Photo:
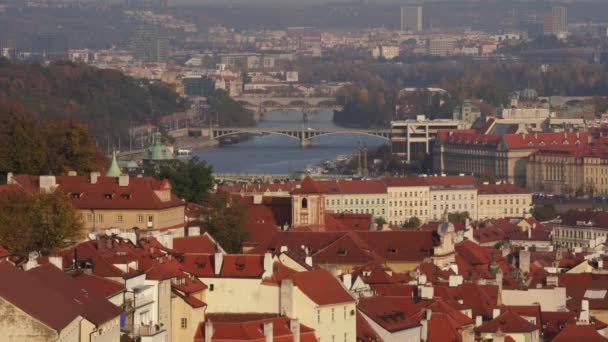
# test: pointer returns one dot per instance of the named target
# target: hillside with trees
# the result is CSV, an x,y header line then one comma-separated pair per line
x,y
372,98
107,100
28,146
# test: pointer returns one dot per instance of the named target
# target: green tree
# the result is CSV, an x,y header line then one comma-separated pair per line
x,y
191,180
380,221
22,148
544,212
227,110
413,222
459,217
37,221
226,220
71,148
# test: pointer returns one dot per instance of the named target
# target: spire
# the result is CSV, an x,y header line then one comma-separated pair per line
x,y
114,170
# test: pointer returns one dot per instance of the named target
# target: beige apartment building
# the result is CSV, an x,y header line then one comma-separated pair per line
x,y
116,202
502,200
407,197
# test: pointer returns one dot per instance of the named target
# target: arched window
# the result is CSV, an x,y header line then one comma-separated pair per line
x,y
304,203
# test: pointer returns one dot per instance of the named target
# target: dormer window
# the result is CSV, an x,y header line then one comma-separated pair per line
x,y
125,196
341,251
240,266
566,142
542,143
392,250
75,195
530,143
108,196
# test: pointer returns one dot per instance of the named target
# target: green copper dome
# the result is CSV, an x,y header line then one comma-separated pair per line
x,y
114,170
157,151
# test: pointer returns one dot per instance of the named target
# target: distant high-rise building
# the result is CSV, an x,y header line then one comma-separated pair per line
x,y
8,49
557,21
411,18
150,45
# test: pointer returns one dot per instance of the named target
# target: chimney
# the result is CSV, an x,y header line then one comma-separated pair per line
x,y
47,183
10,178
32,261
56,261
583,318
93,177
267,264
257,199
268,331
424,330
286,297
529,233
495,313
478,320
600,264
308,260
72,173
194,231
123,180
294,326
499,336
347,279
208,331
219,260
524,261
284,249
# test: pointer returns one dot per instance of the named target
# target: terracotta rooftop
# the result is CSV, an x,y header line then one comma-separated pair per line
x,y
26,292
492,189
233,328
101,286
140,193
93,307
507,322
321,287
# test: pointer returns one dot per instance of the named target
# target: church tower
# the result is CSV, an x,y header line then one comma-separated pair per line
x,y
307,204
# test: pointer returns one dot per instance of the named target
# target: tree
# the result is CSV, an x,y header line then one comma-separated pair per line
x,y
413,222
37,221
191,180
544,212
22,147
225,220
71,148
459,217
380,221
56,147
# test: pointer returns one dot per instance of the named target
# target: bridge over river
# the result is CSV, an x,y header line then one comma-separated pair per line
x,y
307,105
304,135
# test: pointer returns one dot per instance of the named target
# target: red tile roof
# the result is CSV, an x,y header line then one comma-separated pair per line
x,y
242,266
107,194
201,244
577,333
365,332
95,308
308,186
491,189
233,328
507,322
391,313
535,140
27,293
103,287
321,287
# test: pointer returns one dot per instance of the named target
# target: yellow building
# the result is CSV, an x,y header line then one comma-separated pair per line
x,y
502,200
121,202
318,300
407,197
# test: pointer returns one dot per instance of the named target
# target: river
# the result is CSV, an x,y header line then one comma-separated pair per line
x,y
276,154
